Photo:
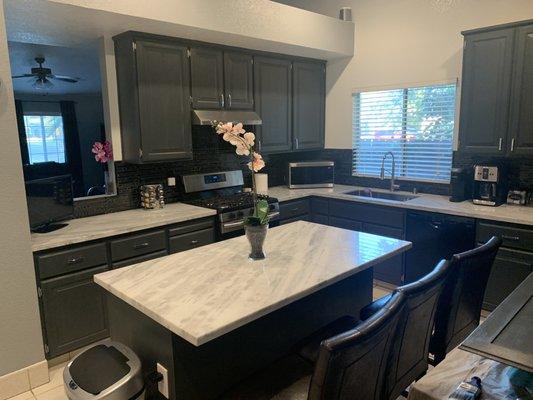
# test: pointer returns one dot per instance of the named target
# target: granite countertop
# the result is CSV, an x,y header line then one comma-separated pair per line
x,y
101,226
206,292
424,202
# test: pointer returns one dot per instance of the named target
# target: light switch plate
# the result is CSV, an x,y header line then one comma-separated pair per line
x,y
171,181
162,386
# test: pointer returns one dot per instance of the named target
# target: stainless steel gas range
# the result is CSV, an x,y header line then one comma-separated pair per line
x,y
223,192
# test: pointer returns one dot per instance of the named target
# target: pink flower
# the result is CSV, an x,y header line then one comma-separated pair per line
x,y
258,163
242,149
103,152
249,138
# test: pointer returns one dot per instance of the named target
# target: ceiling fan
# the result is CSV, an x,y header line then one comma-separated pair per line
x,y
43,75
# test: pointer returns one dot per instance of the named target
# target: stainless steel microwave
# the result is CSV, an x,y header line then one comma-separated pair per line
x,y
311,174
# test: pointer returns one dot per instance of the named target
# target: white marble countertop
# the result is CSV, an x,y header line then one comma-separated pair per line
x,y
206,292
424,202
106,225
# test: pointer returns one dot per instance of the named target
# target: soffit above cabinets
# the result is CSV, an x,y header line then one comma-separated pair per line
x,y
254,24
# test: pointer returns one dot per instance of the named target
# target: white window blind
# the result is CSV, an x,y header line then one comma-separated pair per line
x,y
415,124
45,138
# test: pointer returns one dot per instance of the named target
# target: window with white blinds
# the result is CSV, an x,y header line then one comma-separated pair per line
x,y
415,124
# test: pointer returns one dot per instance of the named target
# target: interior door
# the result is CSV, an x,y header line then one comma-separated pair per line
x,y
273,103
164,109
207,78
238,81
486,86
309,95
521,131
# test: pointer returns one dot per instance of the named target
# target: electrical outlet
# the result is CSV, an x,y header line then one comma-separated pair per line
x,y
171,181
162,386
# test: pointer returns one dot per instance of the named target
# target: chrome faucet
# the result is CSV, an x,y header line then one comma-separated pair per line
x,y
393,186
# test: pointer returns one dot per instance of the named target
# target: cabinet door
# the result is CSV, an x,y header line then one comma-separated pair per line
x,y
510,268
486,86
272,88
207,78
345,223
309,95
521,132
238,81
164,110
390,270
74,311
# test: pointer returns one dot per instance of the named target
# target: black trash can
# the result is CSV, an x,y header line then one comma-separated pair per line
x,y
109,371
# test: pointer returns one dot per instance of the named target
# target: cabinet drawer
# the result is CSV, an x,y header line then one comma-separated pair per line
x,y
191,240
319,206
136,245
191,227
513,237
139,259
294,219
386,216
292,209
320,219
345,223
71,260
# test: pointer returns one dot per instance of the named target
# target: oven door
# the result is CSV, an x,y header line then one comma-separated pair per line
x,y
315,174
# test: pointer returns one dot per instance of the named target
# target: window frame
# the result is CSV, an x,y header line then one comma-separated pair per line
x,y
405,88
42,114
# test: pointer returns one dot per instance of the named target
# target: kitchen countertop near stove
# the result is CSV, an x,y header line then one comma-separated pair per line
x,y
424,202
101,226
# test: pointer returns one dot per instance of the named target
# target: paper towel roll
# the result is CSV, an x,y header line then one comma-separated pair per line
x,y
261,183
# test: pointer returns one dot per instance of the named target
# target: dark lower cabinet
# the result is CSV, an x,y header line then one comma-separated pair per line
x,y
391,270
74,311
510,268
345,223
191,240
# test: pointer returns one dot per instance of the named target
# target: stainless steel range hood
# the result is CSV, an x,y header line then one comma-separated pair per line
x,y
208,117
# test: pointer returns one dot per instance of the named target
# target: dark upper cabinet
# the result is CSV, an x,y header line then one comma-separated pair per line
x,y
273,103
521,126
207,78
308,105
153,91
238,81
486,87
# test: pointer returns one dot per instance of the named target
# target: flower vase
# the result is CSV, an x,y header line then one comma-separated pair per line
x,y
256,235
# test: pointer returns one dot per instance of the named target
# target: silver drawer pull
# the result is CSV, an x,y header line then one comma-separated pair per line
x,y
295,209
141,245
513,238
75,260
193,242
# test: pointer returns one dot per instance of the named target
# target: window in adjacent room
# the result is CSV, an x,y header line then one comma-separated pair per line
x,y
416,124
45,138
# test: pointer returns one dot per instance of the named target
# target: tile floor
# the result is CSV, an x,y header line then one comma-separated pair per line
x,y
54,390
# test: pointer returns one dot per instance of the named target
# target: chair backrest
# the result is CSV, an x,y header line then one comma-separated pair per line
x,y
352,365
409,353
460,305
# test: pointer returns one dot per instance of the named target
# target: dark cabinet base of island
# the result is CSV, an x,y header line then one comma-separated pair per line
x,y
207,371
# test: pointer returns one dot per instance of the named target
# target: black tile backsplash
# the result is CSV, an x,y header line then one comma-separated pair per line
x,y
212,154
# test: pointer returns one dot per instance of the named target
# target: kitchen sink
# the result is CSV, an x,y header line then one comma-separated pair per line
x,y
381,195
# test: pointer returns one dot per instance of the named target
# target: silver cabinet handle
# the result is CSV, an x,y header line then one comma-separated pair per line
x,y
500,144
75,260
512,238
259,145
296,142
512,144
221,99
193,242
229,100
141,245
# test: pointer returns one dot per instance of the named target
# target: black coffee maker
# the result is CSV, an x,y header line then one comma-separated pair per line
x,y
489,188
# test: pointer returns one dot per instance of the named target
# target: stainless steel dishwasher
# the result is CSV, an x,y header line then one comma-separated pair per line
x,y
434,237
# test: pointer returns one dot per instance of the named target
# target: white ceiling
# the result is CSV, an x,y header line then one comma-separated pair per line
x,y
81,62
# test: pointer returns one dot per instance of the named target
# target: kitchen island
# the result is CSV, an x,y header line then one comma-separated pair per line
x,y
211,316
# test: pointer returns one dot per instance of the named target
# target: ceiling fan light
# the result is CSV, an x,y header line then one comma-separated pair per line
x,y
42,83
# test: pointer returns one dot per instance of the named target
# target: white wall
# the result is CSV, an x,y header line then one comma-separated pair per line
x,y
401,41
20,329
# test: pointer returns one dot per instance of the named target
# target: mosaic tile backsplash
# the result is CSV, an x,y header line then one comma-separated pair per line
x,y
211,154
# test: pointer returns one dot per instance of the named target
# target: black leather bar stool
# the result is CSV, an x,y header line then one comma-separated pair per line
x,y
351,365
459,308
